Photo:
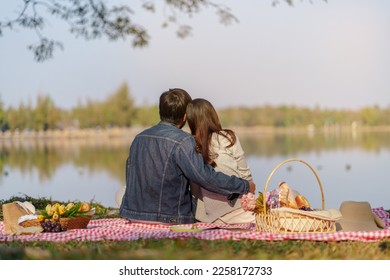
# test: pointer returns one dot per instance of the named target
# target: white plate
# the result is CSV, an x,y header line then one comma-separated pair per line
x,y
189,228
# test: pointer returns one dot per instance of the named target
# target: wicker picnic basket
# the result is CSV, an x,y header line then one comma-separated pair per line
x,y
66,223
292,221
76,222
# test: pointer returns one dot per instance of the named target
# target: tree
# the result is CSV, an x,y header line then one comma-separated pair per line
x,y
370,115
46,115
3,123
93,19
146,115
18,119
119,108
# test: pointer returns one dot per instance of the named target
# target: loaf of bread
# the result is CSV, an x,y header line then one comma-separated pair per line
x,y
302,202
286,196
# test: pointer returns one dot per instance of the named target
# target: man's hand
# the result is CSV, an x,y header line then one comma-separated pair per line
x,y
252,186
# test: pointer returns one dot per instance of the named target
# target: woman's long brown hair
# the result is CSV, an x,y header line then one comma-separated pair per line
x,y
203,122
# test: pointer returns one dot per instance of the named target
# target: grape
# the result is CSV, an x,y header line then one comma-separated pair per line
x,y
305,208
52,226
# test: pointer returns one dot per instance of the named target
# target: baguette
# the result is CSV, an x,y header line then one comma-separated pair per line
x,y
302,202
286,196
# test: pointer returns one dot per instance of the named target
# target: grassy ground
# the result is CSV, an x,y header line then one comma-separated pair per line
x,y
188,249
194,249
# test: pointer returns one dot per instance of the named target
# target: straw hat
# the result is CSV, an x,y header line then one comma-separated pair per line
x,y
358,216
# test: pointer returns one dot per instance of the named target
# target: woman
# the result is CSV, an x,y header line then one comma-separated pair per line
x,y
221,149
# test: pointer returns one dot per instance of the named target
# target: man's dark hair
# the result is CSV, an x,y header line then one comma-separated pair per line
x,y
173,105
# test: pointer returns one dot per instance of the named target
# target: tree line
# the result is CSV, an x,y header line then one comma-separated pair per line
x,y
119,110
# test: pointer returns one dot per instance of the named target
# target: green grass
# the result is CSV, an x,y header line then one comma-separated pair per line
x,y
187,249
195,249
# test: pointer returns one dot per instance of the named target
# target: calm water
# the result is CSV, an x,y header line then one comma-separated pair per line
x,y
349,166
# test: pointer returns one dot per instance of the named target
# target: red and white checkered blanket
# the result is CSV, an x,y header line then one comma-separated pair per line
x,y
119,229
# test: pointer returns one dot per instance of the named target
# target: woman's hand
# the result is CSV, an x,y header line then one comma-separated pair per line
x,y
252,186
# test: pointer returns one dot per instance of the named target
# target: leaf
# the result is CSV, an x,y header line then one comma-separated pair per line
x,y
71,212
44,214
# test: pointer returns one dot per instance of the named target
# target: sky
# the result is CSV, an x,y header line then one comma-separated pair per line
x,y
330,54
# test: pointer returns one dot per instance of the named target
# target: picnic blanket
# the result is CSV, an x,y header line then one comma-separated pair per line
x,y
119,229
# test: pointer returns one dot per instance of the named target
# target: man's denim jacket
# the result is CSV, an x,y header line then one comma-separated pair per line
x,y
161,162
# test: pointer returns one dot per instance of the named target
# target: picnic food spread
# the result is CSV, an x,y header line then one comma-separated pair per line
x,y
290,198
284,210
22,218
283,196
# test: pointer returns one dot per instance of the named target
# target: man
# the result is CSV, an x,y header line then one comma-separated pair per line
x,y
161,162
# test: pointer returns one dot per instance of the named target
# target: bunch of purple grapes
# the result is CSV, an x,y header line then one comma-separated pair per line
x,y
304,208
52,226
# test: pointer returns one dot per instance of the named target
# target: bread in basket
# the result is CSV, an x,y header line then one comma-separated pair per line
x,y
64,217
291,215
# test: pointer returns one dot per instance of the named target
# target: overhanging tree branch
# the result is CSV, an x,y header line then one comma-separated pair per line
x,y
94,19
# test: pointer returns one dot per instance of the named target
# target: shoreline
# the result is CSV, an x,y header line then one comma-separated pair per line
x,y
130,132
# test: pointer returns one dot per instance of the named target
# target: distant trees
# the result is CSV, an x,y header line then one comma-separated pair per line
x,y
44,116
119,110
3,122
18,118
292,116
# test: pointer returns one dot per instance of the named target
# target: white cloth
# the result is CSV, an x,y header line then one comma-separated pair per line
x,y
212,206
331,214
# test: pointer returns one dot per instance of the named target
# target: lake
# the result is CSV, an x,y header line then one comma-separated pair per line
x,y
349,165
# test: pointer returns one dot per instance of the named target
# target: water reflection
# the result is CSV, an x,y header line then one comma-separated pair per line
x,y
351,166
269,145
63,170
49,155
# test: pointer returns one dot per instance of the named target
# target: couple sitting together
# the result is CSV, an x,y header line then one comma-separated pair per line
x,y
174,177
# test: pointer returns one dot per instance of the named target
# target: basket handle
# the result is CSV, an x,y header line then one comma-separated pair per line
x,y
284,162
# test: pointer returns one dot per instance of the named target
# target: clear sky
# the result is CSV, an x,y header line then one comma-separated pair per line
x,y
333,54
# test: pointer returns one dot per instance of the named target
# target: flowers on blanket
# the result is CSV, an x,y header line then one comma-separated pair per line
x,y
249,202
56,211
